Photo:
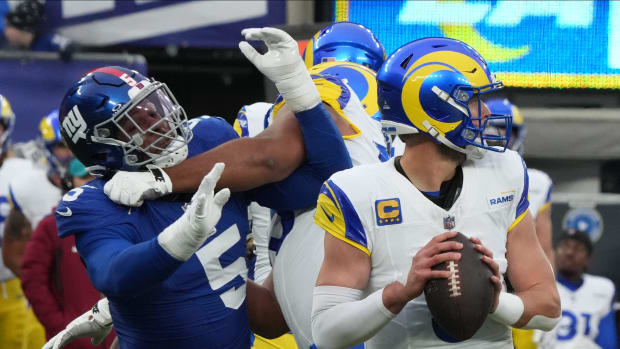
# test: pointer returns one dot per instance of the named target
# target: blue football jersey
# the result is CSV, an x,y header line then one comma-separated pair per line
x,y
155,300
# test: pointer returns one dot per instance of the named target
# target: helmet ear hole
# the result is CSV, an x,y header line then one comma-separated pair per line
x,y
405,62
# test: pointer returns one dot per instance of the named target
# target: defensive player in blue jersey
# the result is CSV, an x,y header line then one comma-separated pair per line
x,y
153,271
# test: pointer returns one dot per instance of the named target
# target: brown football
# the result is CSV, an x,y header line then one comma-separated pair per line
x,y
460,304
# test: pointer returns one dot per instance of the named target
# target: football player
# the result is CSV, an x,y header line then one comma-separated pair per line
x,y
19,327
34,193
380,217
143,125
588,318
250,121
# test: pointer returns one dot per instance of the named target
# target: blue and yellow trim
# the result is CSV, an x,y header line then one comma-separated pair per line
x,y
241,123
334,93
547,200
518,220
337,216
12,201
362,80
560,80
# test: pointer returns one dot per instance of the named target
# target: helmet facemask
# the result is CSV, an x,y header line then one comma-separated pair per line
x,y
151,129
477,133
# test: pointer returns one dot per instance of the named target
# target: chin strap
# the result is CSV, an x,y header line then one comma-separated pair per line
x,y
471,151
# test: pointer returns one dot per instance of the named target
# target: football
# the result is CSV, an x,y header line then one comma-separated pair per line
x,y
461,303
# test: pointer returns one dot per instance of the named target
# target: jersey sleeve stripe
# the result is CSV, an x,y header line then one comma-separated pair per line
x,y
335,213
544,207
13,200
352,243
524,202
548,198
517,221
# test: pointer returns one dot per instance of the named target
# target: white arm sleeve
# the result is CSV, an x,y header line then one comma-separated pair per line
x,y
341,319
261,227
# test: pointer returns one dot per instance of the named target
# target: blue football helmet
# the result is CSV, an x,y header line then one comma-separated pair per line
x,y
433,86
345,41
117,119
518,131
7,120
362,80
49,131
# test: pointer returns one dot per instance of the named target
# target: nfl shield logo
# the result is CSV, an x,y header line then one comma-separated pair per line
x,y
448,223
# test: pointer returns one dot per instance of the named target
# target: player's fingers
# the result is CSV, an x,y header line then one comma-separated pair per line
x,y
62,339
107,189
485,251
435,248
221,197
210,180
440,258
435,274
200,205
252,34
249,52
492,264
274,35
50,343
497,282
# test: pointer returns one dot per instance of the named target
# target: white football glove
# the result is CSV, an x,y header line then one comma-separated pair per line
x,y
283,65
185,235
95,323
132,188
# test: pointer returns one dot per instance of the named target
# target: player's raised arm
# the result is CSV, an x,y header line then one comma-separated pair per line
x,y
310,136
535,303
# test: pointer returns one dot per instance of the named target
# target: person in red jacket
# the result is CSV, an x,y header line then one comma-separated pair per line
x,y
54,278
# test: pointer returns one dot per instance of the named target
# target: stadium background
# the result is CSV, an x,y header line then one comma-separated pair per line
x,y
560,62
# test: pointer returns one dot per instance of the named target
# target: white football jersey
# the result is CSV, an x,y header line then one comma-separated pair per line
x,y
300,256
379,211
11,168
540,191
251,119
34,195
582,311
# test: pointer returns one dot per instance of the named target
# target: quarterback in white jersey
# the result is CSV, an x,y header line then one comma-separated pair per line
x,y
588,318
380,217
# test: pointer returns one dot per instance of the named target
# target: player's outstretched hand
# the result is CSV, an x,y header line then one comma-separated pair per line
x,y
496,279
132,188
95,323
185,235
436,251
283,65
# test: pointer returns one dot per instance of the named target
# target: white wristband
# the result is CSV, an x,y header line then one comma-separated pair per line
x,y
509,309
101,312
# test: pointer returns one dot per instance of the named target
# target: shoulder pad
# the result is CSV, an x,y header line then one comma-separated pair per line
x,y
209,132
87,208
